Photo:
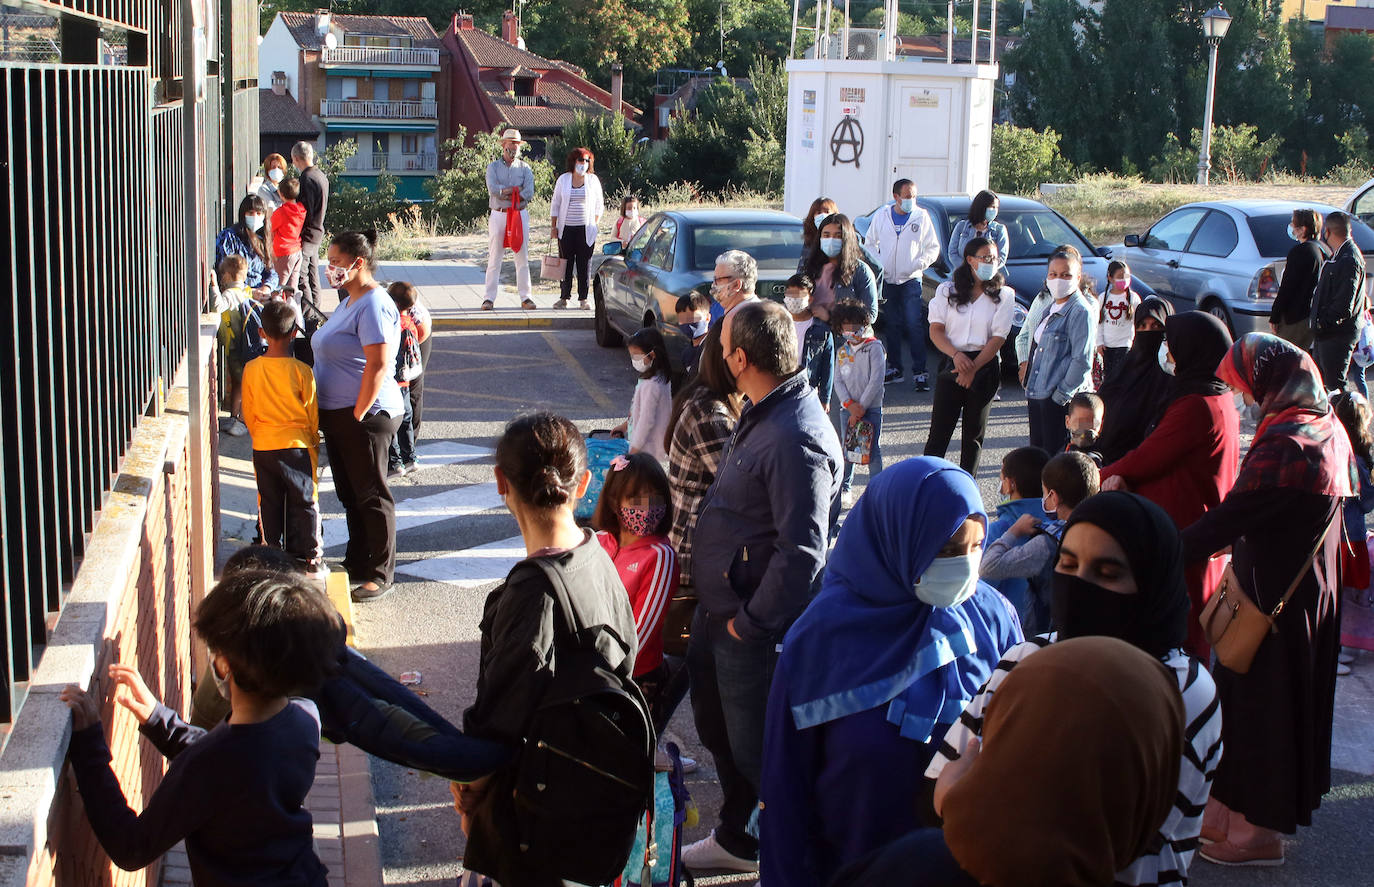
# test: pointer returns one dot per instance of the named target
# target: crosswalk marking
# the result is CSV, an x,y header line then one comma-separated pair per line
x,y
429,454
418,512
470,567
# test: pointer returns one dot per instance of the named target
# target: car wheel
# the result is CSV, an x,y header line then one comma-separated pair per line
x,y
606,335
1218,310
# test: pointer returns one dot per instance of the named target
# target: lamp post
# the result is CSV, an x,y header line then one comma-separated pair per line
x,y
1215,22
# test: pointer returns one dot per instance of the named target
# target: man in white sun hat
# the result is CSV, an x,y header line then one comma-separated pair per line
x,y
505,175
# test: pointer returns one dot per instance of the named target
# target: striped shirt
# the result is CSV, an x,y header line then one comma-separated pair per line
x,y
576,213
648,570
1178,836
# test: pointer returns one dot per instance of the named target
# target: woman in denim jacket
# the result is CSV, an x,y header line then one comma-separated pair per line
x,y
1060,361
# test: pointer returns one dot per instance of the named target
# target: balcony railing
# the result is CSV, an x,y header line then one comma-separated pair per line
x,y
379,55
376,162
380,110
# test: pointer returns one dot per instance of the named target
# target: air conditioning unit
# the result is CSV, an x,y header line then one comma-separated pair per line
x,y
866,45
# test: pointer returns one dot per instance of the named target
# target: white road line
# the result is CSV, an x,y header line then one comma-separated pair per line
x,y
471,567
431,454
418,512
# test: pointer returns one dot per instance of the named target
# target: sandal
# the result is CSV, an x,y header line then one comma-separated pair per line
x,y
528,305
488,305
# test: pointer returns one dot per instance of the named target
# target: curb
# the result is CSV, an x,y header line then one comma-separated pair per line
x,y
485,321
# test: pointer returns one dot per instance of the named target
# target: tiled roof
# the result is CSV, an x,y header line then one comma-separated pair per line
x,y
418,28
491,51
558,104
521,71
283,115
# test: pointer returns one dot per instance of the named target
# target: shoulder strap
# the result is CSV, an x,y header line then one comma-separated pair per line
x,y
1302,571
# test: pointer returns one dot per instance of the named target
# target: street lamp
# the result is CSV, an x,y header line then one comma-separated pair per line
x,y
1215,23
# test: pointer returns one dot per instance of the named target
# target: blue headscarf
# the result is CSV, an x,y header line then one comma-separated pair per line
x,y
866,639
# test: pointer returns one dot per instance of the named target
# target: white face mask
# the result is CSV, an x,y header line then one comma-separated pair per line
x,y
276,175
949,581
580,168
221,683
1045,507
1060,288
818,218
1165,362
640,363
335,275
253,221
796,304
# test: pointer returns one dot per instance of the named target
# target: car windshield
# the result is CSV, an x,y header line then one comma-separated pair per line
x,y
1035,234
773,245
1273,242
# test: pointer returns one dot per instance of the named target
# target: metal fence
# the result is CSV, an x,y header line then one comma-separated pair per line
x,y
93,318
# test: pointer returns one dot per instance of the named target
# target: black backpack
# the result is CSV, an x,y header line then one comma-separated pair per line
x,y
252,343
585,774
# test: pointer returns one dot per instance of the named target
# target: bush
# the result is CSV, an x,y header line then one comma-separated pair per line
x,y
622,163
1237,155
761,169
1022,159
460,190
353,207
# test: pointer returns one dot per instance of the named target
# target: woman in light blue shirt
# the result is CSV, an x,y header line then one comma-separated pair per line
x,y
981,222
360,408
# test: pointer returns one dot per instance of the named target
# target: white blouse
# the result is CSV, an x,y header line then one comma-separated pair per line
x,y
969,327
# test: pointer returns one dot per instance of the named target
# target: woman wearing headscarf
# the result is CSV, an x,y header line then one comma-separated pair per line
x,y
1120,573
1285,504
1080,768
901,635
1137,393
1188,462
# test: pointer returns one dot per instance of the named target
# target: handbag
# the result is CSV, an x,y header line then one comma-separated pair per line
x,y
553,267
1234,624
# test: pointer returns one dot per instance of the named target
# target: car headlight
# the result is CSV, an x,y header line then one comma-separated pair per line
x,y
1018,316
1265,284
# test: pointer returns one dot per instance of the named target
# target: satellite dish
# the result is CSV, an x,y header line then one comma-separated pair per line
x,y
330,41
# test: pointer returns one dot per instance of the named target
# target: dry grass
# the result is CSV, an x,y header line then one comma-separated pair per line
x,y
1107,208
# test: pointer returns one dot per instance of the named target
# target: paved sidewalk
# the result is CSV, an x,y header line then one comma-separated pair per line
x,y
454,290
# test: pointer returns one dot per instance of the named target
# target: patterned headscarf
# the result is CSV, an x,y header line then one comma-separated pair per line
x,y
1300,443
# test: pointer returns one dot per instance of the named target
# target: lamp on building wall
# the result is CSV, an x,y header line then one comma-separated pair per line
x,y
1215,22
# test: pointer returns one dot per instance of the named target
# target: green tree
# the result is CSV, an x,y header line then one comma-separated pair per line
x,y
459,192
1334,95
622,162
1022,159
1057,76
354,207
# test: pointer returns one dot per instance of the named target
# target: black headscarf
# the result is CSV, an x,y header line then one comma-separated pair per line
x,y
1158,617
1136,394
1198,341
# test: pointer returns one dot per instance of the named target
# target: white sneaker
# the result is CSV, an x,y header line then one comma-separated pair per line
x,y
1346,657
847,499
708,856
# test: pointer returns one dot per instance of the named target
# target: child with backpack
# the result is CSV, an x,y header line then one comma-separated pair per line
x,y
632,521
1029,549
652,405
282,415
401,459
239,341
860,367
236,794
555,684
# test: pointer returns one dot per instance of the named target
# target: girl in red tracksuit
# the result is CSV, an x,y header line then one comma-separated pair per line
x,y
632,519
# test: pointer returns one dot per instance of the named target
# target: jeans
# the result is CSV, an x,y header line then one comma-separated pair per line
x,y
1047,428
1333,354
402,449
730,684
905,315
875,454
357,456
574,247
288,514
1355,376
974,403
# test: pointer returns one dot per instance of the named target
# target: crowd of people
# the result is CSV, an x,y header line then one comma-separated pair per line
x,y
847,658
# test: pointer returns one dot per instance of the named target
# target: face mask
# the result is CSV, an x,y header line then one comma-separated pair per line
x,y
831,246
1045,506
640,363
694,330
721,291
990,213
276,175
949,581
1082,608
1120,286
906,204
985,271
1060,288
1165,363
253,221
580,168
336,275
1292,235
853,338
1083,437
641,521
632,214
796,305
221,683
818,218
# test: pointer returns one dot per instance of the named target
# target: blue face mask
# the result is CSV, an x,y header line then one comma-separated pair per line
x,y
986,271
819,217
906,205
831,246
1292,235
696,329
990,213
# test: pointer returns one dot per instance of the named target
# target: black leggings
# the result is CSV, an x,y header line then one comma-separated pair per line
x,y
573,246
357,458
974,403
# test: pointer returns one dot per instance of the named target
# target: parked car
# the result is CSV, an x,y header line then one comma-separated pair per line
x,y
1225,257
1033,231
1361,203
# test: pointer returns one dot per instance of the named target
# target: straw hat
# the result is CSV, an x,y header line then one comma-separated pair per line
x,y
512,134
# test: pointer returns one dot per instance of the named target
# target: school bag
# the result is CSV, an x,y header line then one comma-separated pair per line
x,y
584,776
251,341
601,450
656,859
408,359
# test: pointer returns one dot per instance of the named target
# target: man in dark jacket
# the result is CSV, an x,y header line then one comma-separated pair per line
x,y
315,198
1338,303
757,556
1290,317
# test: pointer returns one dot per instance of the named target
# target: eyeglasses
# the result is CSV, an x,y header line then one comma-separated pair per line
x,y
724,279
989,258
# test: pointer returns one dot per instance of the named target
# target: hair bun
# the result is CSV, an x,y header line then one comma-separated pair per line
x,y
370,235
550,488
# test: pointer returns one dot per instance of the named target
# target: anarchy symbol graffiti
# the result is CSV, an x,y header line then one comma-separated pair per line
x,y
849,135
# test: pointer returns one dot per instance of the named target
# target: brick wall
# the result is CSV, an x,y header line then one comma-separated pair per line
x,y
131,603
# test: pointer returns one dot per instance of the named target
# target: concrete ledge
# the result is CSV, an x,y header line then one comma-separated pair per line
x,y
358,818
494,320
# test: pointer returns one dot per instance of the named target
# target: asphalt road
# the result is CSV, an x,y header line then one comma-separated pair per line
x,y
456,541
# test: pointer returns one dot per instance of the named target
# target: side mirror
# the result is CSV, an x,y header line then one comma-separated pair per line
x,y
1132,240
611,249
1104,252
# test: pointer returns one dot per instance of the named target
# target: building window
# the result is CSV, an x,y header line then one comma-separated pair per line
x,y
524,86
410,144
